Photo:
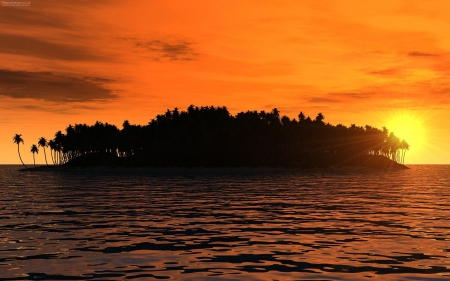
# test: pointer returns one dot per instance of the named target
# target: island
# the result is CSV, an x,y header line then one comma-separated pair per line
x,y
211,137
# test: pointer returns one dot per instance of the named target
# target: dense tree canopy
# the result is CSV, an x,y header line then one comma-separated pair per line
x,y
211,136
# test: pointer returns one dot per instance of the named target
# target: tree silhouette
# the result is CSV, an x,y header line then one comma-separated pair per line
x,y
301,116
51,144
59,140
404,146
18,139
319,119
43,143
34,149
211,136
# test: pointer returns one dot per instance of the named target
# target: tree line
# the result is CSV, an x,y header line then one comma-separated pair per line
x,y
211,136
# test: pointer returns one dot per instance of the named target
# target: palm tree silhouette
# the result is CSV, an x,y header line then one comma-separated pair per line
x,y
34,149
51,144
404,146
319,118
209,136
18,139
43,143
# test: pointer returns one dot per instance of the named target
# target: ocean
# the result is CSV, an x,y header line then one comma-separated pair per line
x,y
225,226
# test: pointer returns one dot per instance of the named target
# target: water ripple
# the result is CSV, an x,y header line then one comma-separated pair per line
x,y
218,226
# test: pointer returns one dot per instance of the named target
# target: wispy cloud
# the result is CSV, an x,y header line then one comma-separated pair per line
x,y
385,72
41,48
169,50
52,87
422,54
33,16
338,97
322,100
64,109
353,95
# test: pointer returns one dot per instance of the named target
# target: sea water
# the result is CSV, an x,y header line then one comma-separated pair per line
x,y
225,226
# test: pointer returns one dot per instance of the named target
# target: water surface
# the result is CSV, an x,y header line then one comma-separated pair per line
x,y
225,226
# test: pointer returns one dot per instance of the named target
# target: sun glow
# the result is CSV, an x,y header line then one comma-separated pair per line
x,y
408,127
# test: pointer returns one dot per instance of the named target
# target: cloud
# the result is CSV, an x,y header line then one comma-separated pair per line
x,y
37,47
353,95
55,108
101,80
33,16
47,14
421,54
338,97
322,100
385,72
178,50
51,87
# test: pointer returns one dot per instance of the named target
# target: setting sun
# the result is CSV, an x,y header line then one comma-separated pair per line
x,y
408,127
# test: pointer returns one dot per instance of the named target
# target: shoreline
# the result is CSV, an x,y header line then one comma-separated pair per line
x,y
179,170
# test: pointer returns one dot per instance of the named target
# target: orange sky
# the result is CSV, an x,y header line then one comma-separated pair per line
x,y
78,61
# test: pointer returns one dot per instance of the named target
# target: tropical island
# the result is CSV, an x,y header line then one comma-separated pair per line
x,y
211,137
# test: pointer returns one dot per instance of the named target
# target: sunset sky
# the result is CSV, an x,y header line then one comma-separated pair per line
x,y
361,62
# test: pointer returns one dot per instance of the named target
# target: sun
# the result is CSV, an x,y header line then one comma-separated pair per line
x,y
408,127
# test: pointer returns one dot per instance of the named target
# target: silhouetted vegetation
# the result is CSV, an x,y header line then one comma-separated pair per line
x,y
42,142
18,139
34,149
211,137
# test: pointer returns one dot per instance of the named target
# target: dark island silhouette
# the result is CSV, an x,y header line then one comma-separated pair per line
x,y
211,137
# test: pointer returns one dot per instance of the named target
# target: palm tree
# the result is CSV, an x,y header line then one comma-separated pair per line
x,y
51,144
34,149
404,146
43,143
59,139
301,117
18,139
319,118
